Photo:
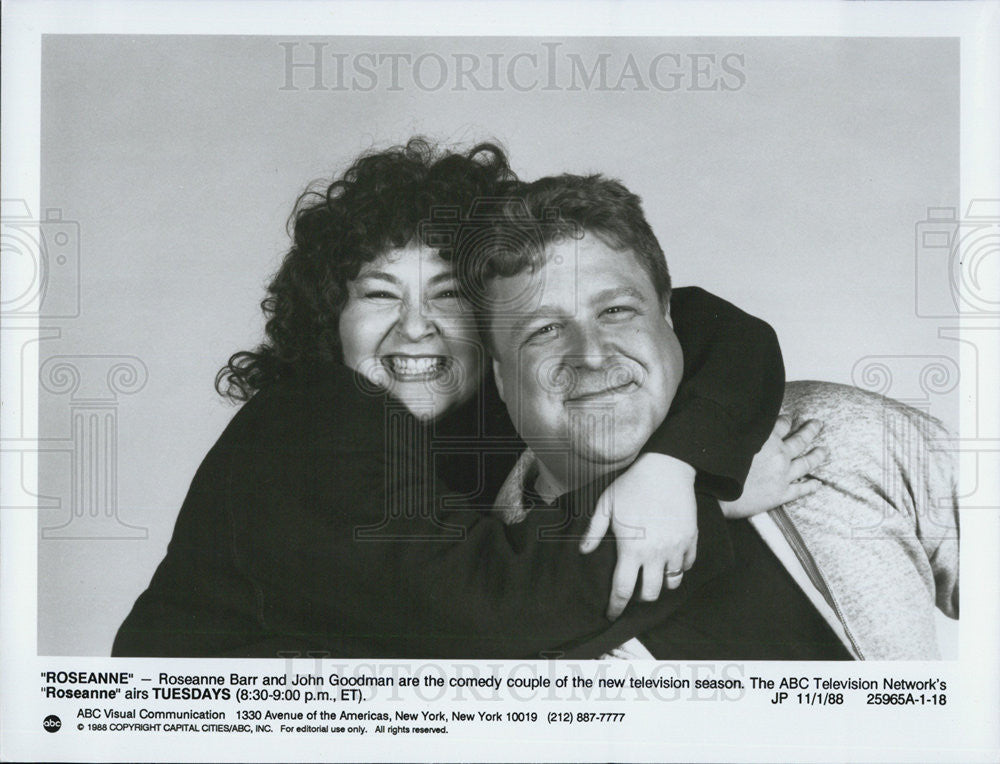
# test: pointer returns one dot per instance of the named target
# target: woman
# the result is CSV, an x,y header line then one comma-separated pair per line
x,y
315,522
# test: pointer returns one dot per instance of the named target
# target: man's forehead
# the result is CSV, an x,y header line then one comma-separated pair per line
x,y
593,253
565,270
550,279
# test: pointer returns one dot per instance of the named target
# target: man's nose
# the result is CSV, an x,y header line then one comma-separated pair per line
x,y
414,325
587,349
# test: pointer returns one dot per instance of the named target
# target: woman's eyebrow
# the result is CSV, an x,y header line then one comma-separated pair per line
x,y
438,278
379,275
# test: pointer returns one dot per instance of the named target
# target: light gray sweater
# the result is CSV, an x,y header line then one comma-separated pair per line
x,y
884,527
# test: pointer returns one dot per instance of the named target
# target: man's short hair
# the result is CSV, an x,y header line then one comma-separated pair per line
x,y
548,211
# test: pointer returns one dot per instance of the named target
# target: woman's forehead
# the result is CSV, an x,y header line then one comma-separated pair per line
x,y
412,262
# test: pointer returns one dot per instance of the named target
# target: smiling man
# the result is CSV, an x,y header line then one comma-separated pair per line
x,y
576,308
591,361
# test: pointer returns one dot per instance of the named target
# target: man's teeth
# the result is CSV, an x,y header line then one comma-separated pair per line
x,y
415,366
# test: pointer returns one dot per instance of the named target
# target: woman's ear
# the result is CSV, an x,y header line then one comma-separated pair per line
x,y
498,378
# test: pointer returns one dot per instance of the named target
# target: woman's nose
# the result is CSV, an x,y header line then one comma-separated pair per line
x,y
414,325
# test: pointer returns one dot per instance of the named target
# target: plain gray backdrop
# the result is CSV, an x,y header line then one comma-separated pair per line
x,y
794,193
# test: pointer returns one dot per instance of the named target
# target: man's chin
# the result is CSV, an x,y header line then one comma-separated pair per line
x,y
602,441
603,457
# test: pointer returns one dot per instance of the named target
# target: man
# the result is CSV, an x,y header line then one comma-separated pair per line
x,y
586,361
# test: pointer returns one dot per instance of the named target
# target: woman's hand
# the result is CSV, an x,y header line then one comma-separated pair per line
x,y
778,473
651,509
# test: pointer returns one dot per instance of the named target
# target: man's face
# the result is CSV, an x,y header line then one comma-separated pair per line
x,y
587,362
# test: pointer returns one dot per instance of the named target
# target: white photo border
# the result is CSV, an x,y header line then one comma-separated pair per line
x,y
972,731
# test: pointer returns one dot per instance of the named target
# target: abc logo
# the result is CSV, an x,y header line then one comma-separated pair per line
x,y
52,723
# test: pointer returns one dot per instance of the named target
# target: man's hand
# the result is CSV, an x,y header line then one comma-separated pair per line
x,y
779,471
651,509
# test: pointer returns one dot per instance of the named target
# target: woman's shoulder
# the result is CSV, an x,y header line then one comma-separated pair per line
x,y
324,403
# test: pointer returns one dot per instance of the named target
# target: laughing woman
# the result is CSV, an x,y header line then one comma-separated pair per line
x,y
344,508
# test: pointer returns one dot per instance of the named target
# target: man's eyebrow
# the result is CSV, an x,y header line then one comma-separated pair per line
x,y
622,291
378,275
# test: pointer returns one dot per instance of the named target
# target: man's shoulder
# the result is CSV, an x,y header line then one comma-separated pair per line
x,y
870,437
851,408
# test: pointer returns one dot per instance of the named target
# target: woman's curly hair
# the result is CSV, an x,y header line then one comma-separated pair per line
x,y
377,205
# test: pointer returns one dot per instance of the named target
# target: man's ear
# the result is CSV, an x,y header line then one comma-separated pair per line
x,y
666,314
498,378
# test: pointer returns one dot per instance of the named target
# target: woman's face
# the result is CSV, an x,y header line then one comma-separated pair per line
x,y
406,328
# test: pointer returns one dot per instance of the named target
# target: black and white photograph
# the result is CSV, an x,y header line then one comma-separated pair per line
x,y
361,353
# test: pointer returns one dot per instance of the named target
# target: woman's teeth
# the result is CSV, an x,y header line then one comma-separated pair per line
x,y
414,367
